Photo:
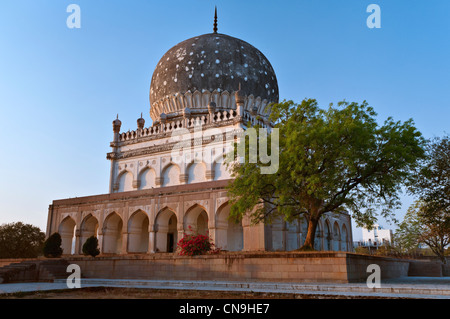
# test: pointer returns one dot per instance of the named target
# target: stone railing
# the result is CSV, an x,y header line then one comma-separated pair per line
x,y
200,100
191,122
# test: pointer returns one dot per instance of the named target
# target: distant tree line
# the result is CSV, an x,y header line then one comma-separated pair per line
x,y
19,240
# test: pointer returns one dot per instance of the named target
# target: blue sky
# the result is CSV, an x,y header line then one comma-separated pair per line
x,y
61,88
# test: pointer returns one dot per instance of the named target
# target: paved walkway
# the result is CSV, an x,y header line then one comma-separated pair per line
x,y
405,287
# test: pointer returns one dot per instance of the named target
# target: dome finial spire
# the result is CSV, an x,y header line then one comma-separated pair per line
x,y
215,19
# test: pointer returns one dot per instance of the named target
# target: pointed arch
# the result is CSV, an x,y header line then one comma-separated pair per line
x,y
147,178
196,172
138,233
229,232
196,217
319,239
67,231
278,228
125,180
171,174
328,236
166,234
89,227
344,239
112,234
336,237
293,234
221,171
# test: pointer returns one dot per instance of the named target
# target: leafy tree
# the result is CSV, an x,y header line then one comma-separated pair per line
x,y
330,160
428,220
19,240
90,247
423,225
432,179
52,246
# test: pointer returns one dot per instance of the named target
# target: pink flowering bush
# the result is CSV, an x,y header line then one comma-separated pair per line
x,y
196,244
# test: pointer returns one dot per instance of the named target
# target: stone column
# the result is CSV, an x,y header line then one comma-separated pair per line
x,y
180,230
159,181
124,249
186,117
240,101
151,242
78,243
211,111
210,175
254,235
183,178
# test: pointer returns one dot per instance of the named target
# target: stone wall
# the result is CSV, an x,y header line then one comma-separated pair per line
x,y
425,268
337,267
390,267
8,261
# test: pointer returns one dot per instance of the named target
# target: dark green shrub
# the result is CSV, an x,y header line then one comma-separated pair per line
x,y
90,247
52,246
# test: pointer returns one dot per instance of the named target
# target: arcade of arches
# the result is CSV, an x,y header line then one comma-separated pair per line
x,y
148,224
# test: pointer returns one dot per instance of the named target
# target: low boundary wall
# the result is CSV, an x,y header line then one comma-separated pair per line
x,y
340,267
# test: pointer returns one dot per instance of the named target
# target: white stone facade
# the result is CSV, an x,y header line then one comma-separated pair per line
x,y
169,178
376,236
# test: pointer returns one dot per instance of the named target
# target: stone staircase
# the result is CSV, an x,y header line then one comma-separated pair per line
x,y
34,270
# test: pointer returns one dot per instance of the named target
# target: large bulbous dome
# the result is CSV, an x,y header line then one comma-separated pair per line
x,y
208,68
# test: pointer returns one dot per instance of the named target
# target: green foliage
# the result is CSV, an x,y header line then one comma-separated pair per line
x,y
428,220
362,250
19,240
52,246
432,179
330,160
90,247
423,225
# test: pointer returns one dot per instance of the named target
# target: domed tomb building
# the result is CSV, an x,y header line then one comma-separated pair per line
x,y
169,178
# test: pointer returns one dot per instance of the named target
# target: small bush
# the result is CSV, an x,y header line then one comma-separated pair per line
x,y
362,250
52,246
90,247
196,244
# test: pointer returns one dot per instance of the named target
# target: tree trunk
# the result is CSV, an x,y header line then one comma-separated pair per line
x,y
310,235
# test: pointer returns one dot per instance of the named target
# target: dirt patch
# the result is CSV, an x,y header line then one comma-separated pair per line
x,y
148,293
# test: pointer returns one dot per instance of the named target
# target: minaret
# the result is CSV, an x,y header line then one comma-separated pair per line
x,y
116,128
240,101
140,125
211,111
140,122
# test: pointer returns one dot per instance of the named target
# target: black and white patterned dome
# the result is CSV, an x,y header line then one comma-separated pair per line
x,y
214,64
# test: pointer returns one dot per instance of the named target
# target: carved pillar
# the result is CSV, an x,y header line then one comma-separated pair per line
x,y
124,249
183,178
210,175
151,242
159,181
77,242
100,239
211,111
240,101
